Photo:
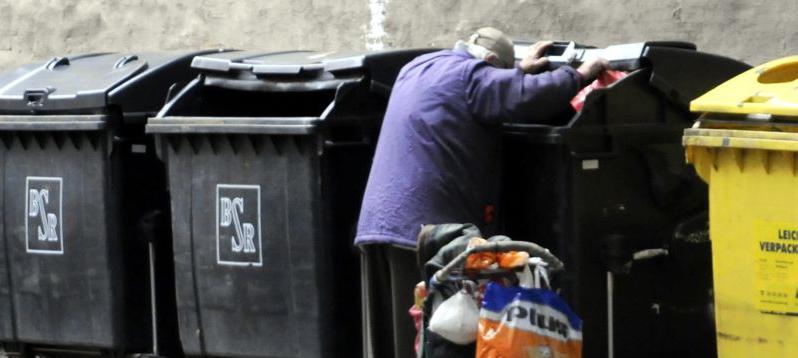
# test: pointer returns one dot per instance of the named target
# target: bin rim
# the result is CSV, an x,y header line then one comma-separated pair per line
x,y
60,122
740,139
233,125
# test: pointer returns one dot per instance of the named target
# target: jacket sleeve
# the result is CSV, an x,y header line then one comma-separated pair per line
x,y
509,95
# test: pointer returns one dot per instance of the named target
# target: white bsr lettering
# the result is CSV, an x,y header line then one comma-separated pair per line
x,y
37,201
244,233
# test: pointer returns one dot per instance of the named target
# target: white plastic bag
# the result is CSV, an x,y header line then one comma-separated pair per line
x,y
456,319
536,277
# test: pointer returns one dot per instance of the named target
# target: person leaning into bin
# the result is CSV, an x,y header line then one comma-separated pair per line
x,y
438,160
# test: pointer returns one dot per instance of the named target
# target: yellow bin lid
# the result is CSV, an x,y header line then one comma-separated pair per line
x,y
771,88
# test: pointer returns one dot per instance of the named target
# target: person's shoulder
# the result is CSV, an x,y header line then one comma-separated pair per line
x,y
450,55
442,65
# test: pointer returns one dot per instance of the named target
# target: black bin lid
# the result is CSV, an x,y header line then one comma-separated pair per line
x,y
91,82
307,66
678,70
355,78
664,76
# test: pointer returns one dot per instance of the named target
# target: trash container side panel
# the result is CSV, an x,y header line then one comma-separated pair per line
x,y
617,209
681,75
135,193
535,188
180,165
575,201
344,177
701,159
631,105
645,191
147,91
751,208
312,276
242,250
631,102
539,205
617,108
597,214
6,311
63,281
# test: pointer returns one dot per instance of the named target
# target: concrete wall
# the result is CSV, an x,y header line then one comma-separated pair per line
x,y
750,30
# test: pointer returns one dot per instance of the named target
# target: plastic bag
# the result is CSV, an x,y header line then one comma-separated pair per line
x,y
456,319
533,278
527,322
485,260
604,79
481,260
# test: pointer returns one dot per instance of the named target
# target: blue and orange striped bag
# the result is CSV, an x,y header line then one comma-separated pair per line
x,y
519,322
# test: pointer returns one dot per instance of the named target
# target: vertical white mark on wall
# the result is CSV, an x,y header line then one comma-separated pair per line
x,y
376,33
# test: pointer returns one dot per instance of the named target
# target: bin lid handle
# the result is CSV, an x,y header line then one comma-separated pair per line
x,y
57,62
124,60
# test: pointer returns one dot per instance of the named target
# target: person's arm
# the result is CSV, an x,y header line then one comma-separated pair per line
x,y
523,95
510,95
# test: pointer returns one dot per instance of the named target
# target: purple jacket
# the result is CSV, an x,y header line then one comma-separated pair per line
x,y
438,158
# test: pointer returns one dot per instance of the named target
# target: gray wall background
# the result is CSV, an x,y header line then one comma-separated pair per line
x,y
750,30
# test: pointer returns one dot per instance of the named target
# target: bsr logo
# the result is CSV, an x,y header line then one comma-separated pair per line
x,y
238,238
243,240
38,199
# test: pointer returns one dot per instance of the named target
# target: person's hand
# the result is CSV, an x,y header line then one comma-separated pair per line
x,y
591,69
534,60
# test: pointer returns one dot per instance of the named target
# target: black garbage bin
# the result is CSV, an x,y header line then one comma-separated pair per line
x,y
612,182
79,182
267,158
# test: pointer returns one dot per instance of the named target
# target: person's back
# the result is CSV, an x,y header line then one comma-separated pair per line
x,y
435,162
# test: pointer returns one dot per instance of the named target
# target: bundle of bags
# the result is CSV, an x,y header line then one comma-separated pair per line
x,y
498,305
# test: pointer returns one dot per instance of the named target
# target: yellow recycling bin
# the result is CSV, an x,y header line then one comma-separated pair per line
x,y
745,146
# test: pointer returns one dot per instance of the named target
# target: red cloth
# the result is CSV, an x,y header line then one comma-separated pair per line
x,y
418,320
604,79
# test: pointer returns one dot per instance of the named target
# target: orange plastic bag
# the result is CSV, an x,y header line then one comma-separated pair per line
x,y
484,260
604,79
